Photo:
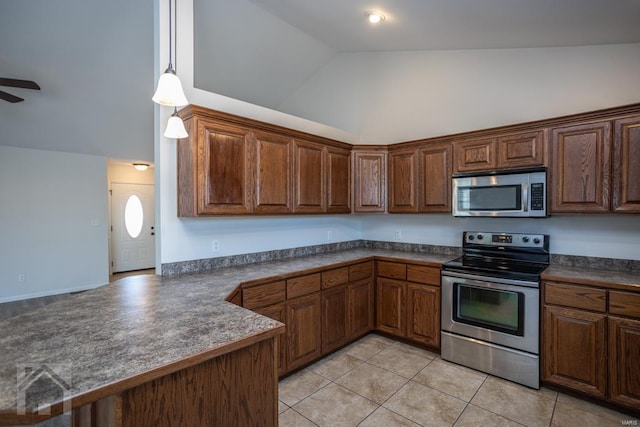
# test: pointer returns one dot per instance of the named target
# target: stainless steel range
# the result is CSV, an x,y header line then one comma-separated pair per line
x,y
491,304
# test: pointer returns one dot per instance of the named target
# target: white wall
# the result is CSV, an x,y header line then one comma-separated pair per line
x,y
608,236
391,97
53,211
388,97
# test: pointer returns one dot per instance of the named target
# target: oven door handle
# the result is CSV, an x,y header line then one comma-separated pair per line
x,y
489,279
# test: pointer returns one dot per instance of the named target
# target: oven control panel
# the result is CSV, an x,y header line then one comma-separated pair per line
x,y
483,238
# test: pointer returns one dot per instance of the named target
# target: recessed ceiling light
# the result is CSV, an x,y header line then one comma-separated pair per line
x,y
375,17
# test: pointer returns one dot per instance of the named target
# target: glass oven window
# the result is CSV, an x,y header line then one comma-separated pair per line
x,y
490,198
495,309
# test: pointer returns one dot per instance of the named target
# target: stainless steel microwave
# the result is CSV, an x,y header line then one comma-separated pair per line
x,y
516,193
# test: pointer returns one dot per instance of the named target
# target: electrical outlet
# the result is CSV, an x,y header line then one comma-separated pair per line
x,y
22,277
215,246
329,235
398,234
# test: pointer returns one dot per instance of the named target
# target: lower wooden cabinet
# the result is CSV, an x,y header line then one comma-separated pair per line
x,y
591,341
303,330
390,306
624,361
334,320
360,303
574,349
423,314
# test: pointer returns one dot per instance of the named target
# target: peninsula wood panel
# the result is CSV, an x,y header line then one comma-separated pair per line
x,y
521,150
626,165
403,181
309,178
581,164
239,388
273,173
278,312
338,180
475,155
369,181
435,164
566,330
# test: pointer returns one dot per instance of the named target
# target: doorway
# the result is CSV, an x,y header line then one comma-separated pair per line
x,y
132,227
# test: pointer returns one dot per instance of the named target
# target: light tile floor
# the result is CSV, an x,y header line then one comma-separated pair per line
x,y
380,382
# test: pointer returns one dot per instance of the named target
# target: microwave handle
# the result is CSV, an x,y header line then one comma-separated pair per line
x,y
525,198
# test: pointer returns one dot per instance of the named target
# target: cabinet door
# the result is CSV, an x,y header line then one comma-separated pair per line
x,y
303,330
423,314
475,155
334,318
360,308
574,349
309,178
278,312
369,181
624,361
434,175
626,165
581,163
521,149
338,180
390,305
403,181
273,173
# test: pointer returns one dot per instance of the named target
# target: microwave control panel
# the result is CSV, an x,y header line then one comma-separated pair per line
x,y
537,196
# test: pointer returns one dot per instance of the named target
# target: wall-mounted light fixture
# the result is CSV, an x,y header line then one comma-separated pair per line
x,y
141,166
169,90
375,17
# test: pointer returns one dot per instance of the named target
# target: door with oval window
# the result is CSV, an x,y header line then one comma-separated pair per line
x,y
133,233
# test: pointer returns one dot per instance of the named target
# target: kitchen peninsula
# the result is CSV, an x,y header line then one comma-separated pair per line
x,y
150,350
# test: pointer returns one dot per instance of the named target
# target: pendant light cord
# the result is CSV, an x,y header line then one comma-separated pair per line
x,y
170,39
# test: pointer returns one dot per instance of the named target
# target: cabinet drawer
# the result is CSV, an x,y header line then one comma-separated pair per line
x,y
360,271
392,270
303,285
624,303
263,295
336,277
422,274
576,296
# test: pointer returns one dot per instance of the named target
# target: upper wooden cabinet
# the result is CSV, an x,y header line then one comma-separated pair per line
x,y
476,155
580,170
273,164
403,182
338,164
231,165
434,178
221,153
626,165
369,180
522,149
309,178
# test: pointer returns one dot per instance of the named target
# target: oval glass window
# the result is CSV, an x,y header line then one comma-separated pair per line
x,y
133,216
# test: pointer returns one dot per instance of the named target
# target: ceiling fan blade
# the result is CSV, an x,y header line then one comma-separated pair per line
x,y
10,98
25,84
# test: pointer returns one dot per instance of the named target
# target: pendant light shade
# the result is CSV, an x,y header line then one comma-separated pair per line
x,y
175,127
169,91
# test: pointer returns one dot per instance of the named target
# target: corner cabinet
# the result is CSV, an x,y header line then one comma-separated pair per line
x,y
604,324
369,179
231,165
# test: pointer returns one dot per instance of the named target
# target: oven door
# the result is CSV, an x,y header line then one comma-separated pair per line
x,y
499,311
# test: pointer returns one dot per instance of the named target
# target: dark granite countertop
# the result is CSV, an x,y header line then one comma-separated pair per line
x,y
611,279
109,336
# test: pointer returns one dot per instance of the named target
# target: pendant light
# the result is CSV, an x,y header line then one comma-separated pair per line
x,y
175,127
169,90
